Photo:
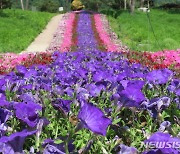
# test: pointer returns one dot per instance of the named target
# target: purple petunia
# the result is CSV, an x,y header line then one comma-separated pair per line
x,y
127,150
164,125
4,116
156,105
14,143
62,105
51,147
93,119
162,143
3,101
159,76
27,112
132,97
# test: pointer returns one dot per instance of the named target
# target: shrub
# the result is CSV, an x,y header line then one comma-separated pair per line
x,y
77,5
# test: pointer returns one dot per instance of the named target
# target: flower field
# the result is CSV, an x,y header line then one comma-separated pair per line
x,y
84,95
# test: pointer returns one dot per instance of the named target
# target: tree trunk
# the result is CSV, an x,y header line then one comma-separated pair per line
x,y
142,3
125,4
27,4
22,5
132,6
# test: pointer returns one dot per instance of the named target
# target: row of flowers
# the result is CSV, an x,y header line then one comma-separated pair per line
x,y
89,101
60,33
103,35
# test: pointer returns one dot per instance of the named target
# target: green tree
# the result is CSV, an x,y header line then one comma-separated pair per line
x,y
47,5
5,4
166,2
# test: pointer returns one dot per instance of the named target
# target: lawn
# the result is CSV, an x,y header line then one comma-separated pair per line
x,y
19,28
135,30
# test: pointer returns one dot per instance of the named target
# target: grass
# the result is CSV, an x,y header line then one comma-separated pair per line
x,y
19,28
136,32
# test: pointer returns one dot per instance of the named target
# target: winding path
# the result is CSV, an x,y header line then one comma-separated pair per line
x,y
43,40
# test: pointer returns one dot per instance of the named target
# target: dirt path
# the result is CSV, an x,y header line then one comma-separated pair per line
x,y
43,40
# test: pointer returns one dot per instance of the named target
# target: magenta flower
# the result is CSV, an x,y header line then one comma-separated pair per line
x,y
93,119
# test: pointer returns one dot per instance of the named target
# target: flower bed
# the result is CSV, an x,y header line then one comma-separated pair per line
x,y
67,40
59,34
103,35
89,101
158,60
9,61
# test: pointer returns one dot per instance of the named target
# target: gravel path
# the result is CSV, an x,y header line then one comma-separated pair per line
x,y
43,40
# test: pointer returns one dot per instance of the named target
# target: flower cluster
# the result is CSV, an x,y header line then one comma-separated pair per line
x,y
9,61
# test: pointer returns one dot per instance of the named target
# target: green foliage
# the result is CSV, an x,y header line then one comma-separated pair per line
x,y
165,2
136,33
5,4
102,4
19,28
47,5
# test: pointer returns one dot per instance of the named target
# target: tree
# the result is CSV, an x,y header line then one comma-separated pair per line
x,y
27,4
132,6
167,3
142,3
22,4
125,4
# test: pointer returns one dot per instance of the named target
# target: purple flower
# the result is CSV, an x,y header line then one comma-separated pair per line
x,y
27,112
52,148
164,125
3,102
163,143
4,116
21,69
177,101
93,119
63,105
132,97
27,97
98,76
14,142
127,150
156,105
94,90
175,87
138,84
159,76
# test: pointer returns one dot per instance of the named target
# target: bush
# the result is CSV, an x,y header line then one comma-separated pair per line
x,y
77,5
